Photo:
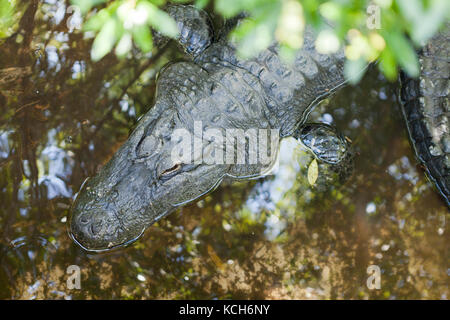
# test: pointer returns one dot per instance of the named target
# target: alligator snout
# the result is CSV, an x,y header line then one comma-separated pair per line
x,y
95,224
90,231
109,211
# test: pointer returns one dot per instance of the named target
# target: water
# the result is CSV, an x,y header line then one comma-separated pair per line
x,y
62,117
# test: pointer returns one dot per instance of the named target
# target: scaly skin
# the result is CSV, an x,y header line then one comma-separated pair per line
x,y
425,104
196,32
141,184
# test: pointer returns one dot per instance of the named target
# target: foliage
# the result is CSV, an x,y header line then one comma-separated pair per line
x,y
387,30
313,172
122,21
7,17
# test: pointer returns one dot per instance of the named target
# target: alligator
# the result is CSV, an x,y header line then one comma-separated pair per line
x,y
426,108
203,99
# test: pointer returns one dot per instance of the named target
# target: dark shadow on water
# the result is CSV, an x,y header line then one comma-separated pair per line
x,y
63,116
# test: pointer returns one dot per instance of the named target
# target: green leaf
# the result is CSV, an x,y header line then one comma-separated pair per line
x,y
201,3
313,172
423,22
430,22
253,38
388,64
124,45
160,3
403,52
143,38
96,22
86,5
228,8
6,17
256,34
159,20
354,70
331,10
105,40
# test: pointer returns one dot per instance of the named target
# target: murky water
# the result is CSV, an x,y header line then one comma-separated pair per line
x,y
62,117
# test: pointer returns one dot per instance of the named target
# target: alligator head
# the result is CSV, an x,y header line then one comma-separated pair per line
x,y
142,183
174,156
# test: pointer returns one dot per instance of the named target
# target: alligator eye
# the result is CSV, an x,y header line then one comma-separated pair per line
x,y
174,169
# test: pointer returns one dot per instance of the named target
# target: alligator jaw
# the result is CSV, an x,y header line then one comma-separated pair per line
x,y
112,247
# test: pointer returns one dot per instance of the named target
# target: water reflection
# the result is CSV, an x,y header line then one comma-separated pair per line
x,y
28,266
62,117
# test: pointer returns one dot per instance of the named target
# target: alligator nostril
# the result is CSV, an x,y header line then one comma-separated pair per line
x,y
83,219
94,228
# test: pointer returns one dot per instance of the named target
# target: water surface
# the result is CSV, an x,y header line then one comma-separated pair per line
x,y
63,116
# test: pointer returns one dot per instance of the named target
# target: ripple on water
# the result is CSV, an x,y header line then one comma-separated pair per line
x,y
26,263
